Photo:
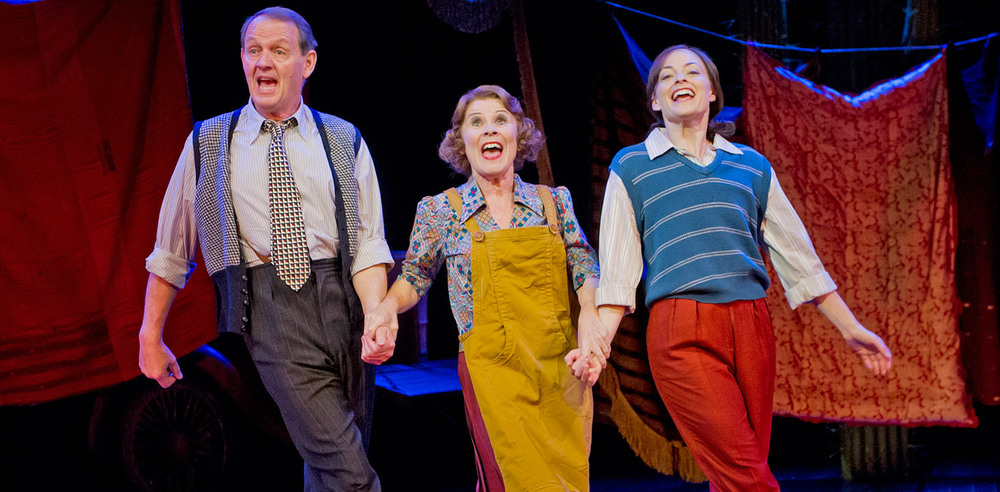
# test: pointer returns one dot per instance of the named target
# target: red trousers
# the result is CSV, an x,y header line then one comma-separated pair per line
x,y
714,367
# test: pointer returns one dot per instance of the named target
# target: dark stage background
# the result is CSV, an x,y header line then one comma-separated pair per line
x,y
395,70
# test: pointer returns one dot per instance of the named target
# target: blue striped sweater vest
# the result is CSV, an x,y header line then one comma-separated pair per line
x,y
699,226
215,216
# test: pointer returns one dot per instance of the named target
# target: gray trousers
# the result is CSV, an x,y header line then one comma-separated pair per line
x,y
309,358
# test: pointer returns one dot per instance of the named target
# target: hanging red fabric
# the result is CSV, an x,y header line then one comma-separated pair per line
x,y
93,113
871,178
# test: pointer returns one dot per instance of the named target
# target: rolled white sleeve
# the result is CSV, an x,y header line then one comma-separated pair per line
x,y
176,231
792,254
621,248
372,248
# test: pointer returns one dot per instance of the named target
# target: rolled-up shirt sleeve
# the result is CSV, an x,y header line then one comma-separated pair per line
x,y
176,231
372,247
620,248
792,254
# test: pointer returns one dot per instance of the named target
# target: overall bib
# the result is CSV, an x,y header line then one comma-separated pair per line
x,y
538,416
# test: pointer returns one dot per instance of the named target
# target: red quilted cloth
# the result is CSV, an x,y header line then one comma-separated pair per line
x,y
871,178
93,113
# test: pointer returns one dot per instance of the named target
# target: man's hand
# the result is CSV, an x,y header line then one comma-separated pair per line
x,y
158,363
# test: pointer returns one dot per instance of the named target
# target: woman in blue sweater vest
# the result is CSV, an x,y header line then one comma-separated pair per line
x,y
695,208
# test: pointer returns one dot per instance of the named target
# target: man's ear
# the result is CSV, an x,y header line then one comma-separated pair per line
x,y
310,65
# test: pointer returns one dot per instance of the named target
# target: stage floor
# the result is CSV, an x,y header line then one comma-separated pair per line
x,y
420,443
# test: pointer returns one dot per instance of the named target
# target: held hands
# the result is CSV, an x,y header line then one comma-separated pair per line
x,y
594,340
586,369
593,337
157,362
379,339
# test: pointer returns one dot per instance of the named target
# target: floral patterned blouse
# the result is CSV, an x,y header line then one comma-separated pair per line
x,y
439,237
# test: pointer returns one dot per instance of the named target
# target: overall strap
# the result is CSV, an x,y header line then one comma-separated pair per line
x,y
545,193
456,204
454,200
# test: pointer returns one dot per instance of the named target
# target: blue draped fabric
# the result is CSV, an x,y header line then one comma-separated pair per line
x,y
642,62
982,84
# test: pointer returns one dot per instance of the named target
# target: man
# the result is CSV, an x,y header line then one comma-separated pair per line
x,y
296,258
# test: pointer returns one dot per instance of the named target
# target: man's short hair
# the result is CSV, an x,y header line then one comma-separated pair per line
x,y
307,42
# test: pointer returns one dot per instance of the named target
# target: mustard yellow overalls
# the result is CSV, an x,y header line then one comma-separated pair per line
x,y
537,414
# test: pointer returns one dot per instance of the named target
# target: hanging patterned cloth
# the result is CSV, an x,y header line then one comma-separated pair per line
x,y
871,178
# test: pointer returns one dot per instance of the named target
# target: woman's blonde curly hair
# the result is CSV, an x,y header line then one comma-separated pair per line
x,y
529,138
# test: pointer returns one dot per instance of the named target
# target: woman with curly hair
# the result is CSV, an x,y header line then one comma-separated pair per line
x,y
508,246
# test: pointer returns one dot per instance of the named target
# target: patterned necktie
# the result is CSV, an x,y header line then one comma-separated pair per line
x,y
289,251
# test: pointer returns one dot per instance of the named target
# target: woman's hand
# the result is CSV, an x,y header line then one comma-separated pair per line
x,y
869,346
583,368
593,337
596,329
381,323
593,334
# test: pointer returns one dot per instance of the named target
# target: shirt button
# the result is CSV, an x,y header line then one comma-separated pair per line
x,y
246,320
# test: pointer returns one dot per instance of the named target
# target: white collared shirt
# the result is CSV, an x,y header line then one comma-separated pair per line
x,y
792,254
176,235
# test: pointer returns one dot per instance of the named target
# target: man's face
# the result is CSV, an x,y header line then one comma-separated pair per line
x,y
275,67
